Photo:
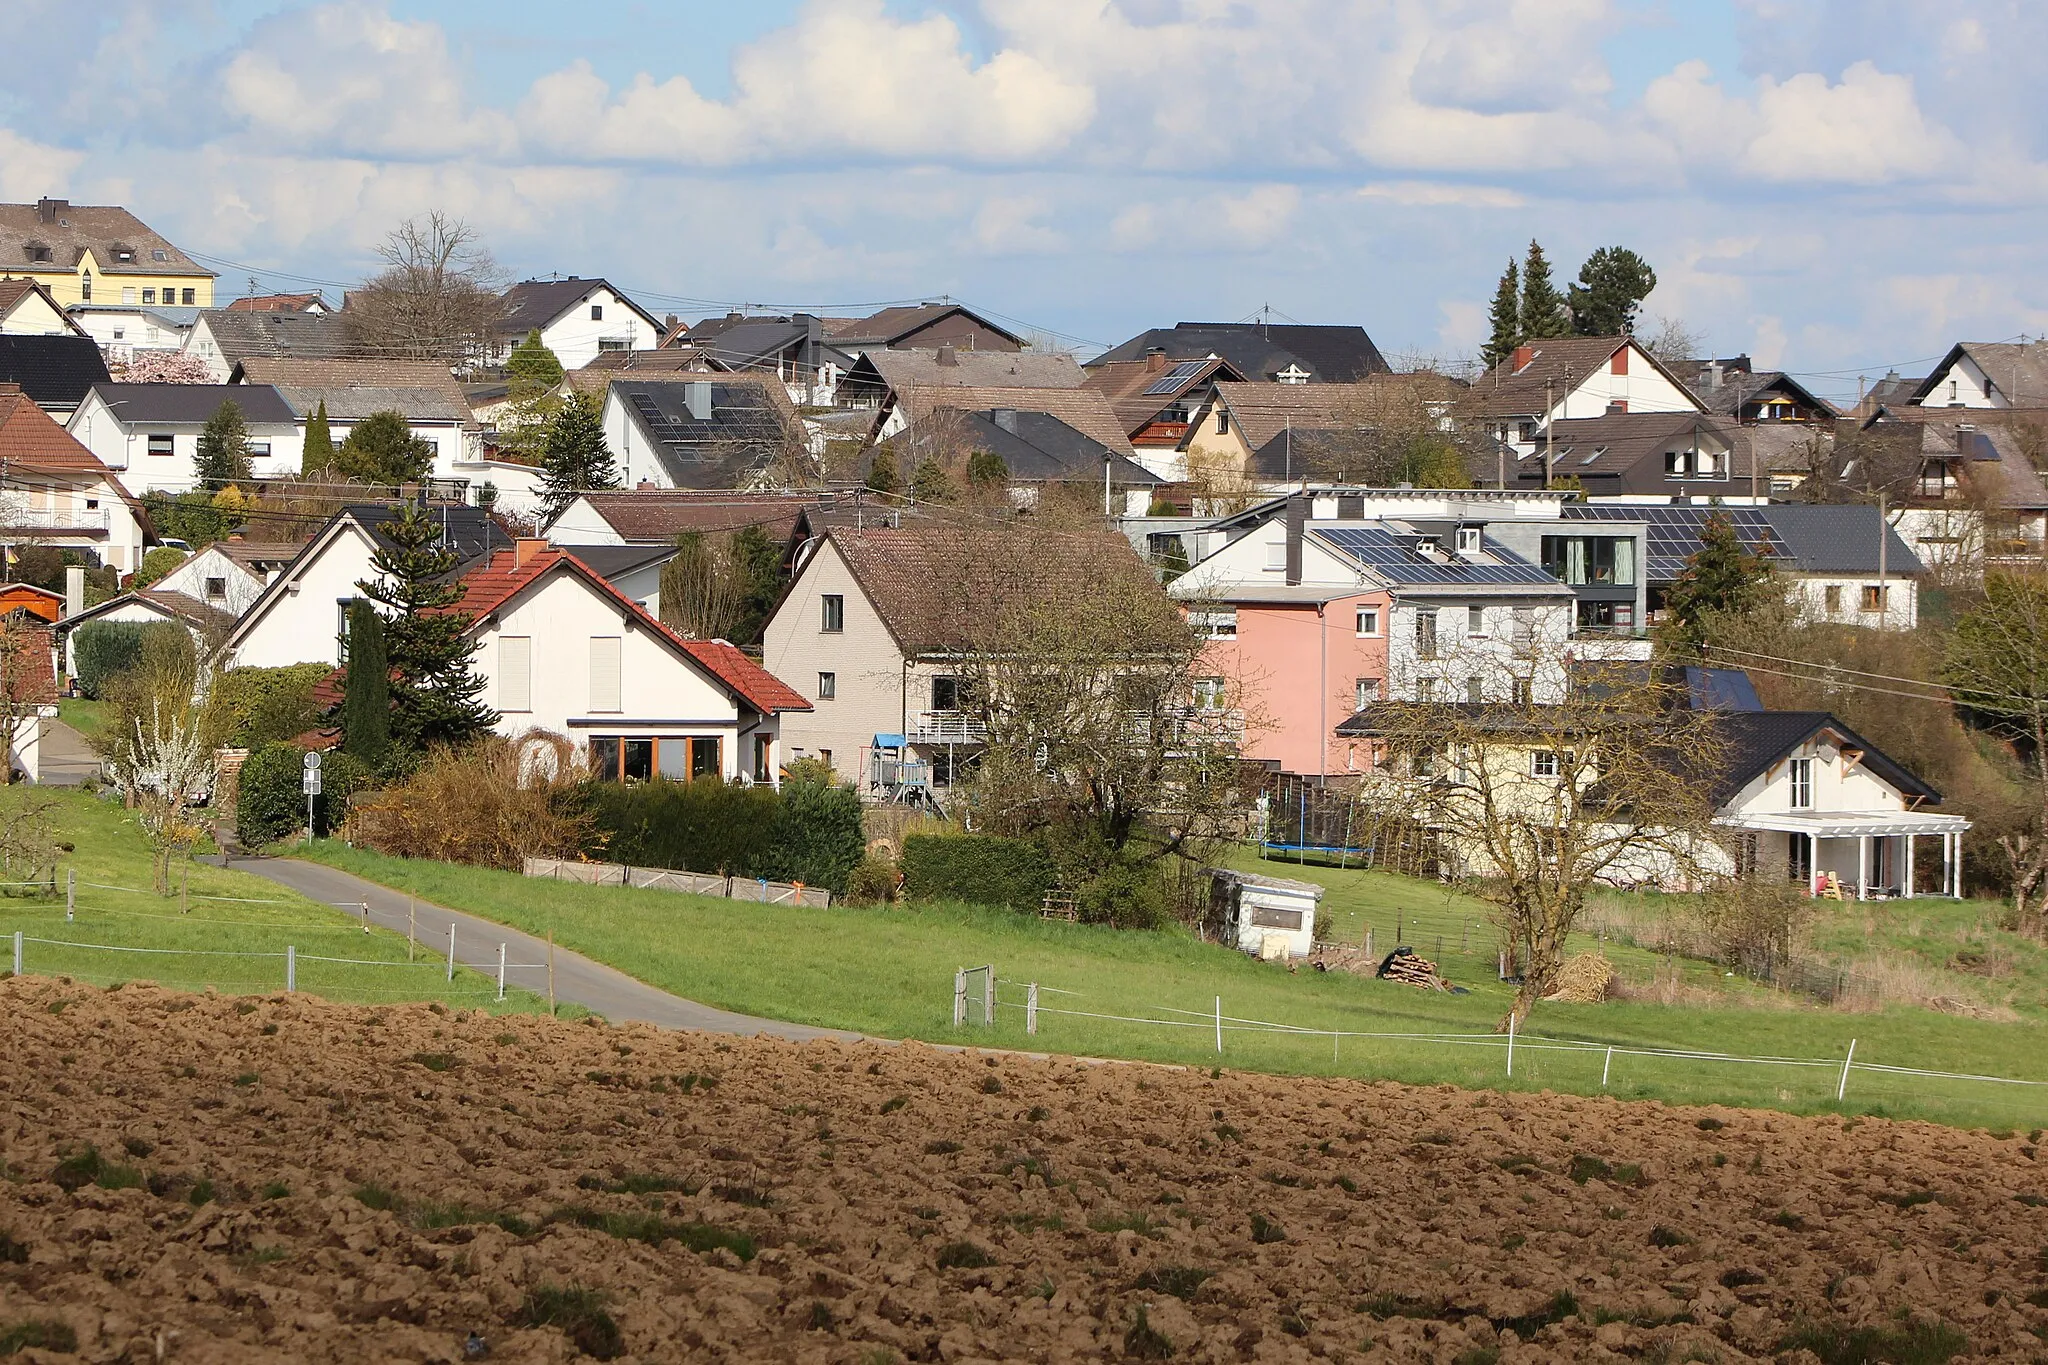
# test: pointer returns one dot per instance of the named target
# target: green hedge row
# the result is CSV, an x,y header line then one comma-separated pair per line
x,y
252,707
270,800
807,832
977,868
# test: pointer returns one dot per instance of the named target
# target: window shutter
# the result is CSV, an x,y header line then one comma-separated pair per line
x,y
515,673
604,673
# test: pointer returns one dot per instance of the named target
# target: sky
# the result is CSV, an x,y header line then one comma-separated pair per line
x,y
1836,187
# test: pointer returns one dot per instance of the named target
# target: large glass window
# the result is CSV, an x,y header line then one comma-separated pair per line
x,y
604,757
1591,561
704,757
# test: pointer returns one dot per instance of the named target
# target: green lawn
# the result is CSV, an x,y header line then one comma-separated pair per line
x,y
889,972
108,852
86,717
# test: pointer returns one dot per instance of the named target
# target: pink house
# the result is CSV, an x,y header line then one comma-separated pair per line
x,y
1297,667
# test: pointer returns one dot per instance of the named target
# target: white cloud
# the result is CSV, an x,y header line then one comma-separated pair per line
x,y
1439,194
30,170
1258,217
1007,225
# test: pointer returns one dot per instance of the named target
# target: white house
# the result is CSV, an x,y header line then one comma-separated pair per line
x,y
717,431
1988,374
222,338
122,329
54,491
152,606
150,432
27,308
576,319
563,650
229,575
1570,379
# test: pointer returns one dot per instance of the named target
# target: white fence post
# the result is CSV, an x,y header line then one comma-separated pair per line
x,y
1842,1087
1511,1044
17,952
1031,1009
501,971
960,998
451,950
988,996
291,969
70,894
1605,1067
1219,1026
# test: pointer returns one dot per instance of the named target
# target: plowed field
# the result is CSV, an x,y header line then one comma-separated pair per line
x,y
194,1178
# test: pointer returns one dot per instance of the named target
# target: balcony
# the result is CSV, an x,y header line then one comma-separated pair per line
x,y
947,727
76,521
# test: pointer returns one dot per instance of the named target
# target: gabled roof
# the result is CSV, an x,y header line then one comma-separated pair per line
x,y
1738,387
497,581
760,344
1839,538
175,606
893,324
1972,438
256,556
193,404
659,515
120,243
422,389
1085,410
674,360
2018,371
1618,442
1751,742
13,292
1139,390
921,367
1263,411
613,562
31,441
747,429
1512,389
536,304
1261,351
239,334
277,303
54,371
1036,447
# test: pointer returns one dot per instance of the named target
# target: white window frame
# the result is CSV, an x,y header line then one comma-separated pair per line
x,y
1475,621
1368,622
1215,625
1469,540
1799,781
1366,692
1545,765
1210,693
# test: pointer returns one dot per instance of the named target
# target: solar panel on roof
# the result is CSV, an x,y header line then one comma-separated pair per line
x,y
1394,557
1177,378
1674,530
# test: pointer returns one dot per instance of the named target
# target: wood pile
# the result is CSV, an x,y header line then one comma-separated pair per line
x,y
1406,966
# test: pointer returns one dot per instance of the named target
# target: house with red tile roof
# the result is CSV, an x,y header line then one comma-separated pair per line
x,y
55,492
28,695
561,649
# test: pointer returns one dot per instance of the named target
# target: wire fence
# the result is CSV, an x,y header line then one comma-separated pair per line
x,y
1063,1019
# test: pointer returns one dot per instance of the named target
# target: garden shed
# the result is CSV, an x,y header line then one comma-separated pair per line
x,y
1272,918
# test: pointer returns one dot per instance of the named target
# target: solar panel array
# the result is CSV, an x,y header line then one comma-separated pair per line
x,y
1674,531
1177,378
1393,556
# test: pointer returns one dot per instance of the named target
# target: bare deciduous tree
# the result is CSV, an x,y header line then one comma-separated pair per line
x,y
435,299
169,765
1672,341
704,588
1997,665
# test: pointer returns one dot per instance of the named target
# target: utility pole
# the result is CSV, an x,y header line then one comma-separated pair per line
x,y
1549,435
1883,539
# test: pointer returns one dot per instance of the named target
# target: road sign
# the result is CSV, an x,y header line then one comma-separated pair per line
x,y
312,762
311,782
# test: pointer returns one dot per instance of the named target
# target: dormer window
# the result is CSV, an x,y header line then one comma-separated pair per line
x,y
40,253
1468,540
159,254
124,254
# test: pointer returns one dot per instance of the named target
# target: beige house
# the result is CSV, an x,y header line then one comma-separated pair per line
x,y
98,253
27,308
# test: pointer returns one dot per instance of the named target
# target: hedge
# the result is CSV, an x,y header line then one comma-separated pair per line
x,y
250,707
978,868
808,832
104,649
270,800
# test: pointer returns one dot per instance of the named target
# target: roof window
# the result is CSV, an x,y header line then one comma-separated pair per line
x,y
159,254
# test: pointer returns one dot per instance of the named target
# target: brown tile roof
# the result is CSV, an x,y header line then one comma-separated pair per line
x,y
920,368
251,554
684,359
1087,411
656,515
13,291
1263,411
2019,370
276,303
1618,441
106,230
401,384
1124,382
187,608
1508,390
1975,437
32,680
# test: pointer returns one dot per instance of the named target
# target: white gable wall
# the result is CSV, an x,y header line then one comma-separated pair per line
x,y
305,626
1839,784
1644,388
868,666
576,337
240,588
1965,385
580,524
34,316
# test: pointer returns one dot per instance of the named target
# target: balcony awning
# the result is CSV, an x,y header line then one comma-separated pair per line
x,y
1843,824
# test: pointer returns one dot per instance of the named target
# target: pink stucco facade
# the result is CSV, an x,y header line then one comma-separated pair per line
x,y
1294,669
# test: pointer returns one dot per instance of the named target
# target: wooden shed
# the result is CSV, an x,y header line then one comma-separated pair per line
x,y
1272,918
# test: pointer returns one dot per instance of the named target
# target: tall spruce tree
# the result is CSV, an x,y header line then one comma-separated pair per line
x,y
319,456
435,693
224,449
1612,285
1505,318
366,688
882,476
574,457
532,365
1542,312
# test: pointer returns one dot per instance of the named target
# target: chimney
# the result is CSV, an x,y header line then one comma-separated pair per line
x,y
669,322
51,210
948,356
526,549
1297,521
1713,374
1005,418
1155,358
645,486
74,589
1615,407
697,393
1523,355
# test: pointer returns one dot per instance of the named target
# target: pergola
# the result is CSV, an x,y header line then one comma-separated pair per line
x,y
1863,826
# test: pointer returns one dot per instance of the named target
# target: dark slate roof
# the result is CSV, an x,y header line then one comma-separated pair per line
x,y
469,530
1738,387
532,304
1259,351
760,343
1039,448
745,431
1839,538
193,404
53,371
1720,689
241,333
1751,741
892,324
612,562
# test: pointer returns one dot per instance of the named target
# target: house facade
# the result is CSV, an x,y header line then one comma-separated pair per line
x,y
122,330
150,432
27,308
576,318
712,431
229,575
98,253
1987,374
56,492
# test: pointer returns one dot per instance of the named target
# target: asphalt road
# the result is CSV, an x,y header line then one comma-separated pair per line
x,y
66,760
578,979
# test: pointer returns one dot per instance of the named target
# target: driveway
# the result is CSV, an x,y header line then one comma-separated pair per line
x,y
66,761
578,979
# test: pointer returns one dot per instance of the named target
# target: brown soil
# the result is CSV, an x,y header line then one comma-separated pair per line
x,y
1433,1224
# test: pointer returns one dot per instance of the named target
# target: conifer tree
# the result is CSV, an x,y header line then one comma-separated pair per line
x,y
319,456
224,449
574,457
882,476
532,365
366,689
1505,319
1612,285
436,694
1543,312
930,482
381,449
1721,578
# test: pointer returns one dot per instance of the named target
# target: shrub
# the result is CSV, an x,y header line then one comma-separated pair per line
x,y
104,650
192,517
269,803
1128,895
490,805
977,868
155,565
702,826
818,836
873,882
250,707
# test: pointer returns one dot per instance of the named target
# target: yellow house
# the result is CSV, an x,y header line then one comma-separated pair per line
x,y
98,253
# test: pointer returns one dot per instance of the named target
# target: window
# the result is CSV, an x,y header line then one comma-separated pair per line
x,y
636,760
216,589
828,686
1425,634
128,293
1524,692
1591,561
162,444
1801,772
832,614
949,694
605,681
1209,694
149,296
1475,691
515,673
1831,598
1951,390
1367,691
85,287
1276,556
159,254
259,450
1214,625
604,757
1468,540
614,344
1425,689
1543,765
1524,630
1222,420
705,759
1369,621
1603,618
123,254
1874,597
597,312
1475,620
39,253
763,748
190,298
